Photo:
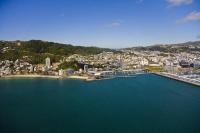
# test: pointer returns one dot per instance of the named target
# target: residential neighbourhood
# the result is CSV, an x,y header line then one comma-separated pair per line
x,y
107,61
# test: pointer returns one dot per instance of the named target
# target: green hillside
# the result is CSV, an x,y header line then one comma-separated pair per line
x,y
36,50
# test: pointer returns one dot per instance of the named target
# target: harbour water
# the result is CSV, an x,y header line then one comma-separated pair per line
x,y
145,103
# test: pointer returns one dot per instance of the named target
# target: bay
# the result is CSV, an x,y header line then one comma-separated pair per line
x,y
145,103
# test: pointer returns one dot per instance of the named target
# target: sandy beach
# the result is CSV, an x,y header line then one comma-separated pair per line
x,y
29,76
41,76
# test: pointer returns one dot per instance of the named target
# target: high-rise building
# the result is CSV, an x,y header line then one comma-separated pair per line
x,y
48,62
86,68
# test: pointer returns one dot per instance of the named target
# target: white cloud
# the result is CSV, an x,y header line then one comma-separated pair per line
x,y
198,37
114,24
178,2
190,17
62,14
118,23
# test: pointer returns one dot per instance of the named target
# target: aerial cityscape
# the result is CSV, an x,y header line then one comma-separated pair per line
x,y
101,66
174,59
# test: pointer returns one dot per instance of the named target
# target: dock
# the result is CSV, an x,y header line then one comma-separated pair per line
x,y
99,79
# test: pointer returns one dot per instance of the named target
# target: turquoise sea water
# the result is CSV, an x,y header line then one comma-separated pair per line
x,y
146,103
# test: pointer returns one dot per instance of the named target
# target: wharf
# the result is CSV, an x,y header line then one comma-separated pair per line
x,y
179,78
99,79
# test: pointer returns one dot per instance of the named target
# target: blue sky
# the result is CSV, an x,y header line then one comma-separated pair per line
x,y
101,23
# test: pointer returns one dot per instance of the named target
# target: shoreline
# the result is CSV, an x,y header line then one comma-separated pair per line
x,y
29,76
42,76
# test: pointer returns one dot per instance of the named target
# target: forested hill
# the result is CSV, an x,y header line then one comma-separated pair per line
x,y
12,50
39,46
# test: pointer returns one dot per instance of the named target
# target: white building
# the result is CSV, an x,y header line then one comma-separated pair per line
x,y
86,68
47,62
154,65
35,69
31,69
7,71
60,72
44,69
167,62
144,62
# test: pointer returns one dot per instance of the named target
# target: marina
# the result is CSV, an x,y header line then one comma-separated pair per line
x,y
191,79
95,76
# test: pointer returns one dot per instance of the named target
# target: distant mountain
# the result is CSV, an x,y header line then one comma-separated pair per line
x,y
195,43
179,47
